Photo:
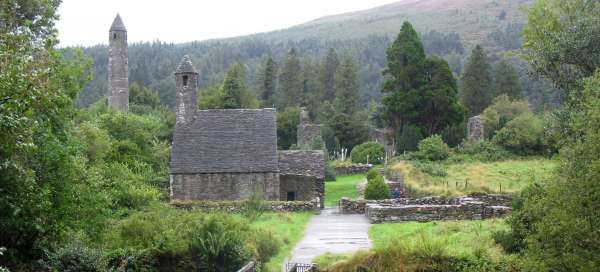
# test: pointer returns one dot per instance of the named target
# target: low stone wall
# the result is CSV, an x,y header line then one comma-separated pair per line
x,y
352,169
239,206
470,207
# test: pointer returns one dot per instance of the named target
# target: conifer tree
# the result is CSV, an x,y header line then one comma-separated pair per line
x,y
233,87
405,71
346,87
476,82
506,81
330,67
312,90
267,82
290,81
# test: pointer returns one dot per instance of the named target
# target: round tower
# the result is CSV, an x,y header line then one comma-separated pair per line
x,y
186,78
118,66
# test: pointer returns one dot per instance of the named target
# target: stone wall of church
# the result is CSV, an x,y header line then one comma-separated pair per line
x,y
304,188
224,186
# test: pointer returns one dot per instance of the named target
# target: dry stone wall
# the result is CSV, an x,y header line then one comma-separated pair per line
x,y
239,206
352,169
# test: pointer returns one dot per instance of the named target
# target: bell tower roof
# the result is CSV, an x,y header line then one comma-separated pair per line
x,y
186,66
117,24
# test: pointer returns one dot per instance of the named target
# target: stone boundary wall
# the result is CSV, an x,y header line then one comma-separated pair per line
x,y
238,206
472,207
352,169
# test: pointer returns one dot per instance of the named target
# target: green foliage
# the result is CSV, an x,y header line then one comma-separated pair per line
x,y
502,110
409,138
290,83
522,135
432,148
431,168
330,69
268,76
253,207
348,131
330,173
233,87
347,87
485,151
287,126
372,174
369,152
76,257
143,96
377,189
476,82
454,135
506,81
231,94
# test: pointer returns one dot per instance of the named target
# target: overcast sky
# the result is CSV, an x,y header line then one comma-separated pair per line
x,y
86,22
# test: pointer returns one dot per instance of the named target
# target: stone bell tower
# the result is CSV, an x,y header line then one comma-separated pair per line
x,y
186,79
118,67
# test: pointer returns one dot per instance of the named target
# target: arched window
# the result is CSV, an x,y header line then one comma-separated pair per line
x,y
114,36
185,81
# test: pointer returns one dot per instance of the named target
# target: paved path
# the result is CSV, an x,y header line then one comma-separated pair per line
x,y
332,232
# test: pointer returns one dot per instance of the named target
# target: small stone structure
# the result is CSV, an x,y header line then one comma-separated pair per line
x,y
473,207
231,154
118,66
475,128
308,134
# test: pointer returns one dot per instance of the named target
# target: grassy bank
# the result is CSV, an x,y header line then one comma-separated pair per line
x,y
344,186
288,228
462,178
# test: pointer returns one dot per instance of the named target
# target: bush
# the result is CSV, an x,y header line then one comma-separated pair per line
x,y
377,189
76,257
264,245
484,151
432,148
372,174
502,111
522,135
430,168
369,152
330,174
253,207
409,139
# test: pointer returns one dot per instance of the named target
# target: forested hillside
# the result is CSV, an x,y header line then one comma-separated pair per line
x,y
448,29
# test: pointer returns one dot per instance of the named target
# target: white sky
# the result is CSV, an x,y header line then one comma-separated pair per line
x,y
86,22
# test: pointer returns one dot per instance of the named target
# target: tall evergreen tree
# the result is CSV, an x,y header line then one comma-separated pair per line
x,y
506,81
267,82
476,82
290,81
233,87
441,108
347,87
405,78
330,67
312,90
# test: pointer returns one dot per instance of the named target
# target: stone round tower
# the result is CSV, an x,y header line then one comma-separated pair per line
x,y
118,67
186,78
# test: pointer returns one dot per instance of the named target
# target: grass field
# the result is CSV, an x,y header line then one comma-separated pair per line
x,y
344,186
462,178
289,228
394,243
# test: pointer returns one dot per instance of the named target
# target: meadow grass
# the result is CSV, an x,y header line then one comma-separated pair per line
x,y
508,176
287,227
344,186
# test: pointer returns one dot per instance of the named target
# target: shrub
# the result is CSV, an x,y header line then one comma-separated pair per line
x,y
369,152
522,135
76,257
377,189
431,168
253,207
408,139
330,174
433,148
484,151
502,110
264,245
372,174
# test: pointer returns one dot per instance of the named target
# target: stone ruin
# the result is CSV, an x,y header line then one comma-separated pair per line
x,y
475,128
118,67
308,134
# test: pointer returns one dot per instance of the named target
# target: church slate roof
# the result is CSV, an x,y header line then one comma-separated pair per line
x,y
185,66
226,141
117,24
302,163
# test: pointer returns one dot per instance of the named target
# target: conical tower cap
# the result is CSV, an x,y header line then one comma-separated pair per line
x,y
186,66
117,24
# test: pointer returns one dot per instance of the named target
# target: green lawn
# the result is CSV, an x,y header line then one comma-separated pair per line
x,y
344,186
455,238
508,176
288,227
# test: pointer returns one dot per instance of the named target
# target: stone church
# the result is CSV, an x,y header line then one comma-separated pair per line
x,y
224,154
231,154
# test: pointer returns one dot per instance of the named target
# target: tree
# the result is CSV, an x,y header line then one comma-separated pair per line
x,y
143,96
290,81
233,87
37,153
476,82
267,82
349,131
347,87
287,125
405,78
312,90
329,70
506,81
441,108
